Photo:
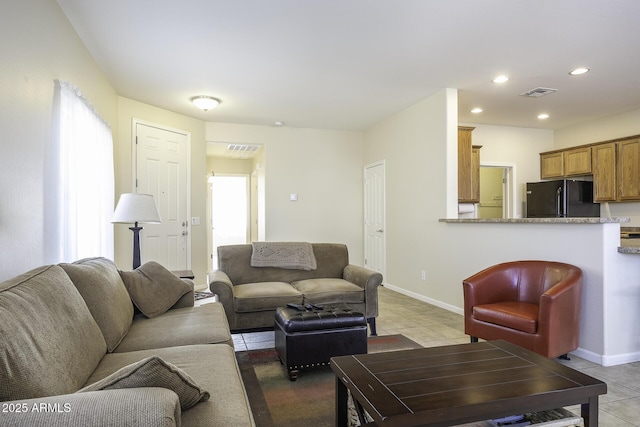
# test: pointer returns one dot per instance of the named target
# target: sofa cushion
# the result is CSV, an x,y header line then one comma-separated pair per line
x,y
329,291
206,324
152,371
264,296
153,288
212,366
100,285
50,342
521,316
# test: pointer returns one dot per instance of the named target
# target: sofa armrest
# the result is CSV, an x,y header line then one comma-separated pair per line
x,y
220,284
188,299
367,279
108,408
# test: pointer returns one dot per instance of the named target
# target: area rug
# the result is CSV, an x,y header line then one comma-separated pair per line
x,y
308,401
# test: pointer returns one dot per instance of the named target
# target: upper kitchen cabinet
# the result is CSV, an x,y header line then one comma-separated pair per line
x,y
552,165
603,165
577,161
628,169
468,167
565,163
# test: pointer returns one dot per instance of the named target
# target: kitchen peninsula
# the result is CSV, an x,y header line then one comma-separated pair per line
x,y
609,327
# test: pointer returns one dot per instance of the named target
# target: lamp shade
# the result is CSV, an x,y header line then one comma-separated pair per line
x,y
134,207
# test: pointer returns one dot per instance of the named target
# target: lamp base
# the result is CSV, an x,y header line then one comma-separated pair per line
x,y
136,245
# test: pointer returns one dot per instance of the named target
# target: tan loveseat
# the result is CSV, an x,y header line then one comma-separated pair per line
x,y
73,353
250,294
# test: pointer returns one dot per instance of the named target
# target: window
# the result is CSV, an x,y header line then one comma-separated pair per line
x,y
79,180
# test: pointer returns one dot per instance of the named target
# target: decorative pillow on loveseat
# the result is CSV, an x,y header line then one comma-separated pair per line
x,y
153,372
153,288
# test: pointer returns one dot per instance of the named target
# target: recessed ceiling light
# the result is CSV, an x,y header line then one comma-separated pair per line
x,y
205,102
501,79
476,110
543,116
278,123
578,71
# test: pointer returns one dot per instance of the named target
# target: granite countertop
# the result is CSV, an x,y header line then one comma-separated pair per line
x,y
537,220
629,245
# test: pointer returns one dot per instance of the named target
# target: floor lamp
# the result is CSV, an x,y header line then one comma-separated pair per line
x,y
136,208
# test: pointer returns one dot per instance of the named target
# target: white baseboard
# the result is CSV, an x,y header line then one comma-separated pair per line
x,y
588,355
612,360
422,298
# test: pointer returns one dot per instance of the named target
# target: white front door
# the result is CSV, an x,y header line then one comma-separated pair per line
x,y
375,252
162,170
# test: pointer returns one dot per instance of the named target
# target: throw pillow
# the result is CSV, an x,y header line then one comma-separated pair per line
x,y
153,288
154,372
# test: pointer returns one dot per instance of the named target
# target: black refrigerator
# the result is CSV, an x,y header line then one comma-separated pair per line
x,y
561,199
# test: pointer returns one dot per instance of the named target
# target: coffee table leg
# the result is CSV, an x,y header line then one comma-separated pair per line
x,y
341,404
589,412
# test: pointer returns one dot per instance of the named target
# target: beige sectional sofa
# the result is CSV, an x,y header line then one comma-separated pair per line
x,y
250,294
73,352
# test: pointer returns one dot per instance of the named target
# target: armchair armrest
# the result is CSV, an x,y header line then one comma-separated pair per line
x,y
367,279
220,284
108,408
560,306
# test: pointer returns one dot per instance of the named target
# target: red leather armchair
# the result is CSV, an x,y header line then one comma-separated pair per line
x,y
533,304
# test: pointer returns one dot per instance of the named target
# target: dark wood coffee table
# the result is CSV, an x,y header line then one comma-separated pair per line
x,y
456,384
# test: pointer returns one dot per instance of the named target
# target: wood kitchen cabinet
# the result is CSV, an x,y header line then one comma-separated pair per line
x,y
552,165
577,161
628,169
475,173
603,165
614,164
468,167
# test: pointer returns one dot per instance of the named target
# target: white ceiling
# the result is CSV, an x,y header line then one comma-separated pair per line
x,y
346,64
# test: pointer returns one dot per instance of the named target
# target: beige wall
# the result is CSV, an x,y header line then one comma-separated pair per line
x,y
127,111
37,46
220,165
414,145
323,167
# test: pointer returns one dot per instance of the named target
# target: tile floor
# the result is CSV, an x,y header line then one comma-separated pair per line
x,y
432,326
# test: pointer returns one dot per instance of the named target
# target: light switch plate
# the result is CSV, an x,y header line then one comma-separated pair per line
x,y
195,220
293,197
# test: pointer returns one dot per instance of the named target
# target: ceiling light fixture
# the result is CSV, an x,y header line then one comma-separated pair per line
x,y
501,79
543,116
476,110
205,102
579,71
278,124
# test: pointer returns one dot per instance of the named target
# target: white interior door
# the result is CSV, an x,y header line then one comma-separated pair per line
x,y
230,210
162,170
375,251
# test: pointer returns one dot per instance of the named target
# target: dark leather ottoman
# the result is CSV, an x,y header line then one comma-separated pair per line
x,y
311,337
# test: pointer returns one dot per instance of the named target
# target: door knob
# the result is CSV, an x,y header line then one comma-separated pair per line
x,y
184,233
380,231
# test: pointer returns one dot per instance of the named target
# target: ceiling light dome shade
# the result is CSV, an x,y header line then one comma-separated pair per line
x,y
205,102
